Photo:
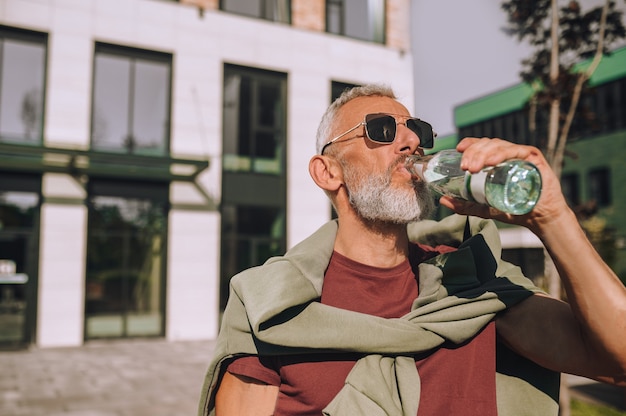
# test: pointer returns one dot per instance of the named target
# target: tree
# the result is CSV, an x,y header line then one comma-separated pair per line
x,y
561,37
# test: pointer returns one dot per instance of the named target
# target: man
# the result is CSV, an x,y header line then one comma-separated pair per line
x,y
359,320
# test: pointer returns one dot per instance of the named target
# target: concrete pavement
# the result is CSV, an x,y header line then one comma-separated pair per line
x,y
139,378
113,378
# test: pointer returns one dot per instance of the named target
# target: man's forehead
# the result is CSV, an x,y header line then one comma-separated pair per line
x,y
356,109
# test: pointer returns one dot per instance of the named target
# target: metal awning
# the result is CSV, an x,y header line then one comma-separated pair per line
x,y
42,159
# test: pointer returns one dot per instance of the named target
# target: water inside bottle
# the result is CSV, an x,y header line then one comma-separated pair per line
x,y
514,189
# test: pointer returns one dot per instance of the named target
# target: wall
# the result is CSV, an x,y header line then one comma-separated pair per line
x,y
201,41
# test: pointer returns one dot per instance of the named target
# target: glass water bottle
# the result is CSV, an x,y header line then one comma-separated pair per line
x,y
513,186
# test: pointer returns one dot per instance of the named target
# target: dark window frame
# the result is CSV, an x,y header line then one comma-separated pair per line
x,y
336,89
249,191
340,13
599,186
570,184
254,158
35,37
134,54
263,10
155,193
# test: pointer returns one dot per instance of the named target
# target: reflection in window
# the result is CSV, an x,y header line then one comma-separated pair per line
x,y
131,101
250,235
125,251
18,219
360,19
22,73
274,10
336,89
18,210
254,121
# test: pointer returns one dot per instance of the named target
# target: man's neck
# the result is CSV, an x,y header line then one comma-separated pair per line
x,y
372,243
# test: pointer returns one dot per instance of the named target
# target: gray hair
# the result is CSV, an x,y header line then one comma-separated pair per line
x,y
325,130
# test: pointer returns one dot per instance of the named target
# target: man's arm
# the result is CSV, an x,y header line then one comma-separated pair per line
x,y
586,336
244,396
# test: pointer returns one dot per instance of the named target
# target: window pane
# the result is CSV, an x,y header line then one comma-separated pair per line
x,y
274,10
236,114
277,10
151,107
599,187
245,7
254,121
18,210
111,102
569,186
377,20
259,221
250,235
337,88
357,22
334,16
357,19
268,104
21,87
124,257
131,103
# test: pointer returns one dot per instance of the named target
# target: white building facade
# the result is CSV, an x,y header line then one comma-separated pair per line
x,y
150,149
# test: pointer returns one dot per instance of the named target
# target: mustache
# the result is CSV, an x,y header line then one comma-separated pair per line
x,y
399,160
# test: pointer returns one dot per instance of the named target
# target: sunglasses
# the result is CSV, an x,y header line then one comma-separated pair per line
x,y
382,128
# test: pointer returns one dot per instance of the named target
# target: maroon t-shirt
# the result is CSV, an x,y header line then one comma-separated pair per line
x,y
455,379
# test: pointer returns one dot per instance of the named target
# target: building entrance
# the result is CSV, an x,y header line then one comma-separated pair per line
x,y
18,268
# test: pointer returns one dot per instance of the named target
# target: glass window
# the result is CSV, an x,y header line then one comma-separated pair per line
x,y
530,260
22,76
360,19
125,263
253,178
254,121
18,264
274,10
600,186
250,235
569,186
337,88
131,101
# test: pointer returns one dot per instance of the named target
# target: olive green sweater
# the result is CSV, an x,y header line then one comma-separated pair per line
x,y
273,309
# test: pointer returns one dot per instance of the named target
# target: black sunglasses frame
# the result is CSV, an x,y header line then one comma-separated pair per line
x,y
422,129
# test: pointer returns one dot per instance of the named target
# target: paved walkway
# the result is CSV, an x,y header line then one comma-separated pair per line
x,y
137,378
116,378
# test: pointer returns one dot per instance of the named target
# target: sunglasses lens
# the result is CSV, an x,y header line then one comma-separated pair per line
x,y
423,130
380,128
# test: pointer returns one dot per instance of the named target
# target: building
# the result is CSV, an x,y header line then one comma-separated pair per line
x,y
593,170
150,149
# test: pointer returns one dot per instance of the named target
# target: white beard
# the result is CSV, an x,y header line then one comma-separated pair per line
x,y
374,199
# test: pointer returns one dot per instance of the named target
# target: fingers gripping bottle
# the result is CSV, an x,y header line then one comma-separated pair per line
x,y
513,186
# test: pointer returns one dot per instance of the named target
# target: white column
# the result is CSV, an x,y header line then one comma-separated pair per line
x,y
193,275
60,313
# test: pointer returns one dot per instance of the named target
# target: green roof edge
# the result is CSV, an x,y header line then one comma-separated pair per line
x,y
514,98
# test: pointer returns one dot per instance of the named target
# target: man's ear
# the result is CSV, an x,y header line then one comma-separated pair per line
x,y
326,172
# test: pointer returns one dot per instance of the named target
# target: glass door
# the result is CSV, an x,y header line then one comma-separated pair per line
x,y
18,265
125,253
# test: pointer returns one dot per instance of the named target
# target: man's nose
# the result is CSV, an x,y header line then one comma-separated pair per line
x,y
406,139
